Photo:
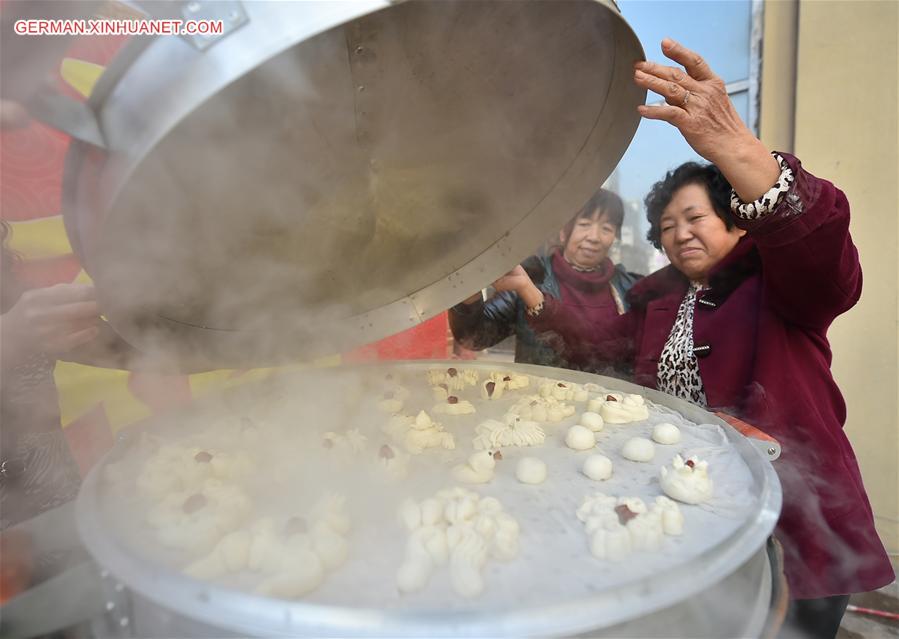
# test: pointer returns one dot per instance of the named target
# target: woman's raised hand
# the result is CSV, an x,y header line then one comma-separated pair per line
x,y
520,282
515,280
51,320
697,104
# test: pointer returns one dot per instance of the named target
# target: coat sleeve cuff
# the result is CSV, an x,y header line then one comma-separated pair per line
x,y
546,319
770,200
797,214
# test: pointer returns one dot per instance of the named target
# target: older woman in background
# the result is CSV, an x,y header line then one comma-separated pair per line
x,y
761,264
579,274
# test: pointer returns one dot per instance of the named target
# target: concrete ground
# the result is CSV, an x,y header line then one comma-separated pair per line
x,y
862,626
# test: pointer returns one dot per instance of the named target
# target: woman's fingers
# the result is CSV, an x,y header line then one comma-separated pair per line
x,y
505,283
674,93
73,312
666,113
690,60
60,307
68,341
670,74
66,293
701,110
48,332
13,115
513,280
59,296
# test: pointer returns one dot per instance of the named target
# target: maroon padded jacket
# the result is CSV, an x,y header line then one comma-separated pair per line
x,y
760,336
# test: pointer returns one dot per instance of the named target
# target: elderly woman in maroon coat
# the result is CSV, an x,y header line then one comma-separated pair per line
x,y
761,264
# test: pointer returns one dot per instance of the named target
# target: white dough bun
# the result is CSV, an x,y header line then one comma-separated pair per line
x,y
638,449
597,467
592,420
666,434
580,438
531,470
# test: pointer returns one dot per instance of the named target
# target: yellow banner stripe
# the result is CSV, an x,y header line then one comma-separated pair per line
x,y
42,238
80,75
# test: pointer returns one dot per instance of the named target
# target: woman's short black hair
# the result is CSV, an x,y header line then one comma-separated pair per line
x,y
603,201
661,193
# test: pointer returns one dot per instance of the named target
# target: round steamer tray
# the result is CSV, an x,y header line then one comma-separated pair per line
x,y
554,586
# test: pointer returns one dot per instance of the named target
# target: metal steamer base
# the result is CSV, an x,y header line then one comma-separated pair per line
x,y
106,608
752,584
149,600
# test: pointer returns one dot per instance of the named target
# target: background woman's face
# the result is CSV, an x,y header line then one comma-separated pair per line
x,y
693,236
590,241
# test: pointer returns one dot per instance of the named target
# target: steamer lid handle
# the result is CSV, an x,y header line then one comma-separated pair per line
x,y
68,115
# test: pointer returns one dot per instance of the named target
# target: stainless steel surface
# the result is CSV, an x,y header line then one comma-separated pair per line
x,y
60,600
52,531
699,617
230,12
70,598
331,173
233,612
125,613
67,115
771,449
117,619
737,606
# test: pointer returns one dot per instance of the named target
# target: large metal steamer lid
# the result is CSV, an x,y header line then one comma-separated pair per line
x,y
330,173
